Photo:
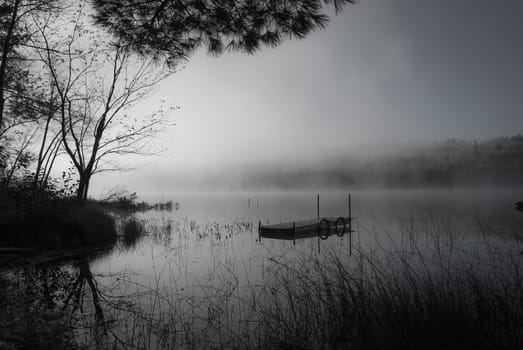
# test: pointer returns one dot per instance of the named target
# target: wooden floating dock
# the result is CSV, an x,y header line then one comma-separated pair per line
x,y
322,227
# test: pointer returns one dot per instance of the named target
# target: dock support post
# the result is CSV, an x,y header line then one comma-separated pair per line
x,y
350,243
318,204
350,227
259,231
294,233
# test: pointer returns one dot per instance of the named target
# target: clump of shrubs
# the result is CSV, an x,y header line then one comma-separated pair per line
x,y
50,218
132,230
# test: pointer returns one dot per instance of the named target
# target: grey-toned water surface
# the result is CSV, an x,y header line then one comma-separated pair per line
x,y
214,236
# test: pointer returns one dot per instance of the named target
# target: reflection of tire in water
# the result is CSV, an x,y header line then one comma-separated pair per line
x,y
340,226
324,229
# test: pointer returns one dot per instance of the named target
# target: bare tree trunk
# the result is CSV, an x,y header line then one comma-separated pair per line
x,y
5,53
80,189
88,181
83,186
40,159
42,155
49,165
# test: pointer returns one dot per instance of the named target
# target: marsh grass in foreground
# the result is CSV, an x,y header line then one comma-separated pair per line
x,y
132,231
446,297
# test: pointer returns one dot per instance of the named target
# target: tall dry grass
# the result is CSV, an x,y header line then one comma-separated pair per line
x,y
438,291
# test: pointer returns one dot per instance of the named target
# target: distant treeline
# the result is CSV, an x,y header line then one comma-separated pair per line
x,y
454,163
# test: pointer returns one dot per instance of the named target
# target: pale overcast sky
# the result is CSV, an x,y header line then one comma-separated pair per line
x,y
384,71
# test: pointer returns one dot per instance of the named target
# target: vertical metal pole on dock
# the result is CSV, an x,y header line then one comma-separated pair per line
x,y
350,227
294,233
318,203
248,203
350,209
319,228
259,231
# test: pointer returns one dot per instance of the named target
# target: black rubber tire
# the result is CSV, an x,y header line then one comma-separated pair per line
x,y
340,222
324,235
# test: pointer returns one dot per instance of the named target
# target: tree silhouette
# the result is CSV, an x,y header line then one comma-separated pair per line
x,y
96,82
175,28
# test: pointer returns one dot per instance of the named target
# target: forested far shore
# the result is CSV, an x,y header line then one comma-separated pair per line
x,y
496,162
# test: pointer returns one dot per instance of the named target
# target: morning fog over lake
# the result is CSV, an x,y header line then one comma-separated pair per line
x,y
310,174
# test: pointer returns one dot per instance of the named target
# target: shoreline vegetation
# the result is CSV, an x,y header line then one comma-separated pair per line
x,y
52,221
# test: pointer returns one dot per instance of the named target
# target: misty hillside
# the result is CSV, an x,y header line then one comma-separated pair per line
x,y
496,162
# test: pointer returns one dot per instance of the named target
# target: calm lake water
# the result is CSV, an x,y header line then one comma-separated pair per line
x,y
214,236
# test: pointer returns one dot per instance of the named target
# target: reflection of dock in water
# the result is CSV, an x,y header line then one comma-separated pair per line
x,y
321,227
